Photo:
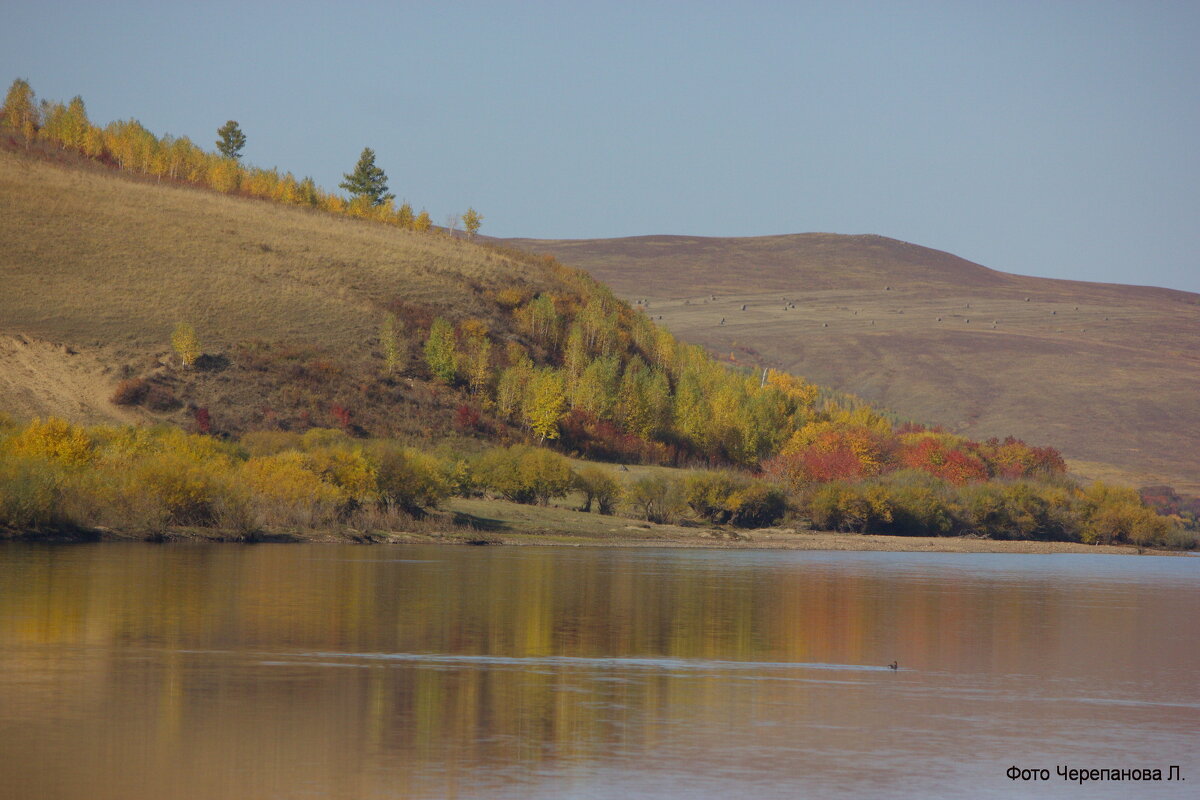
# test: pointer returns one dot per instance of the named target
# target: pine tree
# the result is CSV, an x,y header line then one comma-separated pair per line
x,y
367,181
232,140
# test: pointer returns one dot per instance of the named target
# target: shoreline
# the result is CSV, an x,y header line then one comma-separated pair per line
x,y
637,535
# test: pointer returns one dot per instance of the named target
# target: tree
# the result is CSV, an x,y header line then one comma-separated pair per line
x,y
394,353
367,181
20,113
186,343
478,361
599,485
471,220
232,140
441,352
545,403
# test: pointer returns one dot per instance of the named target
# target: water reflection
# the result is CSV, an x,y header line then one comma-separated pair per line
x,y
139,671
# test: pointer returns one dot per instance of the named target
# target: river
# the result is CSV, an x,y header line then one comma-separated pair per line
x,y
138,671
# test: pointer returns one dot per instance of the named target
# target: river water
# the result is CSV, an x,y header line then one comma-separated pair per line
x,y
324,671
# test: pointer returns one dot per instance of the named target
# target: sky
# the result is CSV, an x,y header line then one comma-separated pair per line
x,y
1057,139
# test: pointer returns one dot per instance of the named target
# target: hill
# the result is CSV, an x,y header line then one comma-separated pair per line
x,y
1109,374
257,320
98,267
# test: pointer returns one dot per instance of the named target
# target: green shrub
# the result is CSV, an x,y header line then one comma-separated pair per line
x,y
600,486
861,508
656,498
708,493
524,474
727,497
30,492
499,472
758,505
921,504
408,479
1179,538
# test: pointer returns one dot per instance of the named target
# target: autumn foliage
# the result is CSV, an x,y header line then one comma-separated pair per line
x,y
570,366
128,145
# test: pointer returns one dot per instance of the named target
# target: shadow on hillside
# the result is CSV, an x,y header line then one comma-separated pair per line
x,y
465,520
211,363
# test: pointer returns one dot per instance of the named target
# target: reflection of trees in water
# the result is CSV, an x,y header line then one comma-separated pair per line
x,y
275,658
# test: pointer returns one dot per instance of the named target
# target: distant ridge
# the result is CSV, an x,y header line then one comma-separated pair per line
x,y
1110,373
775,263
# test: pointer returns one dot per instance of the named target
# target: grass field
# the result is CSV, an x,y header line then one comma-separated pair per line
x,y
1109,374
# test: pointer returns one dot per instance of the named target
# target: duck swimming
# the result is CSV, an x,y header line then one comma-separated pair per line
x,y
894,665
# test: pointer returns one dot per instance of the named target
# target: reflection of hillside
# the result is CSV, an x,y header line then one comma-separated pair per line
x,y
275,667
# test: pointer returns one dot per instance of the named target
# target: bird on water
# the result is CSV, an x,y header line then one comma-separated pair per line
x,y
894,665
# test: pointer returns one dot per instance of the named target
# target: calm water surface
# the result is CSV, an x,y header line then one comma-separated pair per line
x,y
292,671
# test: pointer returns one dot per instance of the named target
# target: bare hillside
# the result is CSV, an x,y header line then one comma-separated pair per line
x,y
1110,374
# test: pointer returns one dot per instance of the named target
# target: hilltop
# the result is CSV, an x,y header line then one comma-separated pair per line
x,y
1109,373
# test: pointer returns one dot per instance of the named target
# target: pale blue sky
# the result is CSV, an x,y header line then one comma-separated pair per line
x,y
1045,138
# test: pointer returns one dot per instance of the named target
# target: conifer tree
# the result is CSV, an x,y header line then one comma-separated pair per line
x,y
367,181
232,140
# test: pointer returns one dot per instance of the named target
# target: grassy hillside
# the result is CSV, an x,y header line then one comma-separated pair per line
x,y
103,265
307,318
1110,374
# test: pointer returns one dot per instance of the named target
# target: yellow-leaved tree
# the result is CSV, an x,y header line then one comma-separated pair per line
x,y
441,351
186,344
471,220
545,403
20,112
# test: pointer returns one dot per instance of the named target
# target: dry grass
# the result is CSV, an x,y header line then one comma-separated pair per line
x,y
98,267
93,257
1109,374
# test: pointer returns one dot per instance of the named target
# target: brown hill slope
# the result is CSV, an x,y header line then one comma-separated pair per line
x,y
97,267
1108,373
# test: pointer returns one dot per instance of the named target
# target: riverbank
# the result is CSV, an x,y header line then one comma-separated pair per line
x,y
476,521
